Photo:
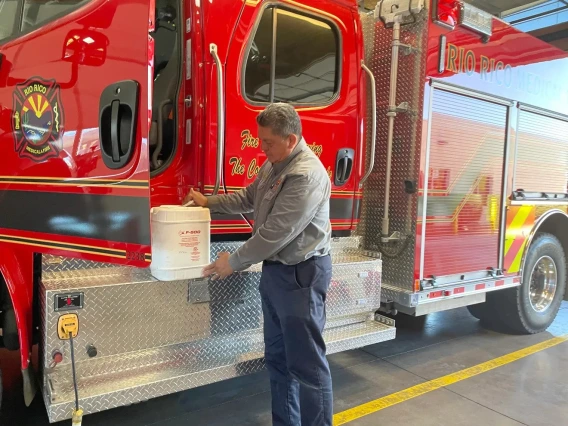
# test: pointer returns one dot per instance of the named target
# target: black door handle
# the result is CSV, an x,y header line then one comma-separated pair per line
x,y
343,165
118,117
114,130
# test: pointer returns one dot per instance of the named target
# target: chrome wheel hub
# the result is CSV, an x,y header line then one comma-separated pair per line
x,y
543,283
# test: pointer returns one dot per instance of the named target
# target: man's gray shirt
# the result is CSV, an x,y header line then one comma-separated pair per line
x,y
290,201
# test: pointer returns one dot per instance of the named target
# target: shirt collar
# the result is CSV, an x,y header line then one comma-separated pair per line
x,y
300,146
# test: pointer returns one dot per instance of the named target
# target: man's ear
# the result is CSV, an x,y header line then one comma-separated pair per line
x,y
293,140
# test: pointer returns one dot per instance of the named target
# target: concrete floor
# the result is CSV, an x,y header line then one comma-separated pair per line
x,y
531,391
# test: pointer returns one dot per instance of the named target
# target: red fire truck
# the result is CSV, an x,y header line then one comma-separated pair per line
x,y
443,130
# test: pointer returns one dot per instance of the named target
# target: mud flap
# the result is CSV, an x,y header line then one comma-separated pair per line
x,y
30,385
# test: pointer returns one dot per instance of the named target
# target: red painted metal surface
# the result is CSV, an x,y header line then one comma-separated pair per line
x,y
56,193
517,65
76,168
362,117
326,129
52,167
17,269
465,175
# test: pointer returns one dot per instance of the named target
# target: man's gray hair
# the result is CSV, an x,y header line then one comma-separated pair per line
x,y
282,119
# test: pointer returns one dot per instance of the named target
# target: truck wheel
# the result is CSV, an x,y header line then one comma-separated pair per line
x,y
485,312
479,311
533,306
10,330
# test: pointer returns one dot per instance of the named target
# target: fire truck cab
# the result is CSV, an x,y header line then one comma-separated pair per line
x,y
442,128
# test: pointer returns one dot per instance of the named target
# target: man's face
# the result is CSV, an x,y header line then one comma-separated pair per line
x,y
275,147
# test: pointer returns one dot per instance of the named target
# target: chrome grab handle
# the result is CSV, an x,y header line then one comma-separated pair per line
x,y
374,124
220,118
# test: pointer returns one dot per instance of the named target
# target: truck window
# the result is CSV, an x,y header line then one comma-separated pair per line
x,y
40,11
304,72
20,16
257,74
8,12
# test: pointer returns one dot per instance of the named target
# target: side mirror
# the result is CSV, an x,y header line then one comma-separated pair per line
x,y
85,47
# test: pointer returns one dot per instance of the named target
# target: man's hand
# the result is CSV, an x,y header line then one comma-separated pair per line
x,y
220,268
198,198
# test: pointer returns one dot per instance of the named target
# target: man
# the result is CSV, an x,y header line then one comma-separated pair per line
x,y
291,236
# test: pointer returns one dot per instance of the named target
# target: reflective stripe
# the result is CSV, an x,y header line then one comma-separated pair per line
x,y
520,221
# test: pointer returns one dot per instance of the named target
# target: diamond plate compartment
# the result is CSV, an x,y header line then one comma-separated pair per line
x,y
154,338
398,269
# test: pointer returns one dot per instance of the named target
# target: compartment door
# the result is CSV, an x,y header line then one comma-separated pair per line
x,y
464,189
74,113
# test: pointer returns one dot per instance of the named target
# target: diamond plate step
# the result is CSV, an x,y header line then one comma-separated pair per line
x,y
354,334
135,377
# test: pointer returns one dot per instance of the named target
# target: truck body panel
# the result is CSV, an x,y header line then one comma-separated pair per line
x,y
477,163
472,139
57,194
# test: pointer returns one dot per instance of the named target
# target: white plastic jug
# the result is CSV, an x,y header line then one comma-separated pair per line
x,y
180,242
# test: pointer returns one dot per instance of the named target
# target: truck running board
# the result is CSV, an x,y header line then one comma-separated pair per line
x,y
140,338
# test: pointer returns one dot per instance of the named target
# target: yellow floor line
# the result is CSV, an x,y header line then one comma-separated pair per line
x,y
423,388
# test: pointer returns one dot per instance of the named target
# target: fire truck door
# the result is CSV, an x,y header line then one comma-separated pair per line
x,y
74,109
302,55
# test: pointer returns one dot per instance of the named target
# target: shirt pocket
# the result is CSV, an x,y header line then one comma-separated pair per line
x,y
272,192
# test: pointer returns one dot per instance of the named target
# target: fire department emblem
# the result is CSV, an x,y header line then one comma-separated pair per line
x,y
37,120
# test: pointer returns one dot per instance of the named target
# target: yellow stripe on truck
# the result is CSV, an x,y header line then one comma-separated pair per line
x,y
517,235
516,265
516,226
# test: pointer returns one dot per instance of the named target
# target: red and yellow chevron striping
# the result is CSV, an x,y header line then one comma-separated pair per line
x,y
520,221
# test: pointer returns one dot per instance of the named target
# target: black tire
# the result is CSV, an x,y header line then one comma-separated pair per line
x,y
10,330
479,311
407,321
513,308
486,311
